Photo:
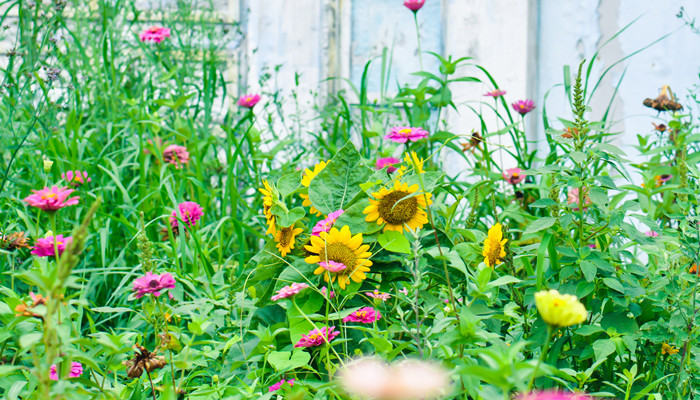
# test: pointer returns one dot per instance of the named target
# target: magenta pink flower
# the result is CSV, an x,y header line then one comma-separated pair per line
x,y
553,395
513,175
317,337
325,225
496,93
651,234
376,294
152,283
249,100
155,34
176,155
414,5
76,370
51,199
44,247
289,291
76,178
388,161
403,134
365,315
332,266
190,213
523,107
279,384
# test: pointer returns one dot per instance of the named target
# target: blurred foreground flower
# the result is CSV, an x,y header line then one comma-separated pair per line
x,y
560,310
279,384
376,294
387,162
370,378
553,395
325,225
176,155
496,93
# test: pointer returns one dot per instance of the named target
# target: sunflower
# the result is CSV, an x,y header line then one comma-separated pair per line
x,y
398,206
268,194
306,181
285,238
494,251
339,255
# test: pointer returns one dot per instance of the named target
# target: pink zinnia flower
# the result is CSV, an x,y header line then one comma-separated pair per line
x,y
176,155
51,199
404,291
44,246
378,295
279,384
652,234
388,161
403,134
317,337
365,315
248,100
324,292
155,34
523,106
496,93
152,283
75,178
553,395
190,213
325,225
289,291
513,175
76,370
414,5
332,266
572,198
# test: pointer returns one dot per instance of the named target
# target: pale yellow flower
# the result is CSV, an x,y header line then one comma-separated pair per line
x,y
560,310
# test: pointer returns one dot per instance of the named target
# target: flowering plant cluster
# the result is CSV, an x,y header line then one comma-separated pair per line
x,y
167,233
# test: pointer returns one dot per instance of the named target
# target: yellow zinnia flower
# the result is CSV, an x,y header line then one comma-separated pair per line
x,y
560,310
668,349
494,252
285,238
399,206
306,181
339,255
268,193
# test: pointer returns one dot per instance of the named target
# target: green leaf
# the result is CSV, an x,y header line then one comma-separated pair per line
x,y
588,330
287,184
504,280
286,360
541,203
614,284
578,156
395,242
287,218
30,339
354,218
337,184
599,197
589,270
540,224
603,348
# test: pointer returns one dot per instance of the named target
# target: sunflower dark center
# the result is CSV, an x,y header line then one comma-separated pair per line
x,y
397,209
286,236
341,253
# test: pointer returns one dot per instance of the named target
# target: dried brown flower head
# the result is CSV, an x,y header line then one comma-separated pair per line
x,y
143,360
659,127
473,142
666,101
14,241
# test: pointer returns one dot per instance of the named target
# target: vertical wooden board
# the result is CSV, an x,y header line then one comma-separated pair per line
x,y
387,23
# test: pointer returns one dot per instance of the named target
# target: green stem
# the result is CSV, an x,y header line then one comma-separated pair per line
x,y
550,333
420,53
